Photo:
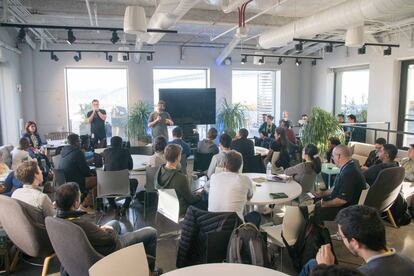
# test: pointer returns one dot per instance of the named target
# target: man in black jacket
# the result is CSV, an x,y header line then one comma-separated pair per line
x,y
76,169
117,158
386,155
243,145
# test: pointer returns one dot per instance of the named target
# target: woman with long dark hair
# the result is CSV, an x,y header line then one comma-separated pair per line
x,y
31,134
280,145
312,164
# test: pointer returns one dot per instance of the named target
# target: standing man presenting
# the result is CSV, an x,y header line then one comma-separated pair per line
x,y
159,120
97,117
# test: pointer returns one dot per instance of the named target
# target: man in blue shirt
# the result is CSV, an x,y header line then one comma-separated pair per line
x,y
186,150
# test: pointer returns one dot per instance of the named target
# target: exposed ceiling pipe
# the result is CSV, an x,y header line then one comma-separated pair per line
x,y
88,7
138,47
167,14
228,6
226,51
347,14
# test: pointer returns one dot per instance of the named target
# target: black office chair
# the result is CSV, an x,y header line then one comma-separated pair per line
x,y
254,164
201,163
142,150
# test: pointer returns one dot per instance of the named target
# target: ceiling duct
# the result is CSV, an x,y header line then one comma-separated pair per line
x,y
230,5
349,13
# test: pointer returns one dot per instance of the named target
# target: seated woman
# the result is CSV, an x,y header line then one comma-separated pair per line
x,y
158,158
208,145
20,153
280,145
30,174
266,133
168,176
312,164
36,143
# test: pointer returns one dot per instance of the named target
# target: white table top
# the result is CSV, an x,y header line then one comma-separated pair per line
x,y
261,150
261,195
140,161
224,269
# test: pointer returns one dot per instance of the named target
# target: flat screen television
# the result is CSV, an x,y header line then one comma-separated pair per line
x,y
190,106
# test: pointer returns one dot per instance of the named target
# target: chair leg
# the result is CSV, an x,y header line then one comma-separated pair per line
x,y
15,260
46,264
391,218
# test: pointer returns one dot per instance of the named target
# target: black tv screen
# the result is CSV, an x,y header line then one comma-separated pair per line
x,y
190,106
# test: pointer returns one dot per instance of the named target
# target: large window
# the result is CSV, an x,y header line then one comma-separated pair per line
x,y
256,90
351,92
406,112
109,86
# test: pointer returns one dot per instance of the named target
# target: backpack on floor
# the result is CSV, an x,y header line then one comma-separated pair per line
x,y
248,245
399,210
311,237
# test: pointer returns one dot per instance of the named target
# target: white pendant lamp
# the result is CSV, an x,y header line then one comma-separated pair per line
x,y
135,21
354,37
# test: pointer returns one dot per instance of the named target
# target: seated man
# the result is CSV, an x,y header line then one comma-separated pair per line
x,y
76,169
230,190
363,233
168,176
208,145
373,157
332,143
185,148
243,145
30,174
386,156
158,158
346,189
117,158
20,153
266,132
408,164
107,238
217,162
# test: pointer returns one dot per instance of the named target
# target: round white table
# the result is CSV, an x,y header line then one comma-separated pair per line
x,y
224,269
261,195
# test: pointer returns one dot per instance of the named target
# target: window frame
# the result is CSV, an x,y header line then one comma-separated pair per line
x,y
402,105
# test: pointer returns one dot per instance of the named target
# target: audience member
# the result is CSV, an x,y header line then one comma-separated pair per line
x,y
87,149
266,133
159,120
408,164
168,176
373,155
334,270
311,165
31,133
107,238
158,158
20,153
11,183
96,117
230,190
243,145
217,162
117,158
280,145
341,120
289,131
386,155
356,134
76,169
302,124
347,186
31,176
332,143
363,233
178,140
208,145
285,118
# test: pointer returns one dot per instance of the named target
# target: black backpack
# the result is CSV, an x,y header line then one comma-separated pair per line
x,y
311,237
399,210
248,245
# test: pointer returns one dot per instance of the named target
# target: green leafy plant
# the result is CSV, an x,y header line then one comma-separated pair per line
x,y
84,109
138,117
231,117
321,125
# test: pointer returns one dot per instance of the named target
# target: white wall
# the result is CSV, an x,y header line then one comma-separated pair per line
x,y
384,79
48,79
10,98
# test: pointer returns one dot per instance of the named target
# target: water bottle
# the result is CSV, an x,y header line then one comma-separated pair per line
x,y
269,170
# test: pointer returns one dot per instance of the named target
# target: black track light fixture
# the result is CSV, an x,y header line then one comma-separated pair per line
x,y
362,50
261,61
77,57
387,51
149,58
298,62
115,37
280,61
21,35
71,37
329,48
299,46
125,57
243,60
53,56
313,62
108,57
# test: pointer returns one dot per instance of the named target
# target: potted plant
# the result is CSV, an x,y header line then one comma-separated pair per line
x,y
138,117
320,126
84,127
231,117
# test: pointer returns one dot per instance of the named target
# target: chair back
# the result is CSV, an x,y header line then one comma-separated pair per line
x,y
168,204
56,160
254,164
150,178
216,246
382,194
142,150
363,196
25,226
183,164
130,260
112,183
275,157
308,182
202,161
71,245
58,177
291,223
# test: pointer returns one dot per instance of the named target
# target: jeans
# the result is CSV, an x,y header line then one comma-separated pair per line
x,y
146,235
308,267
